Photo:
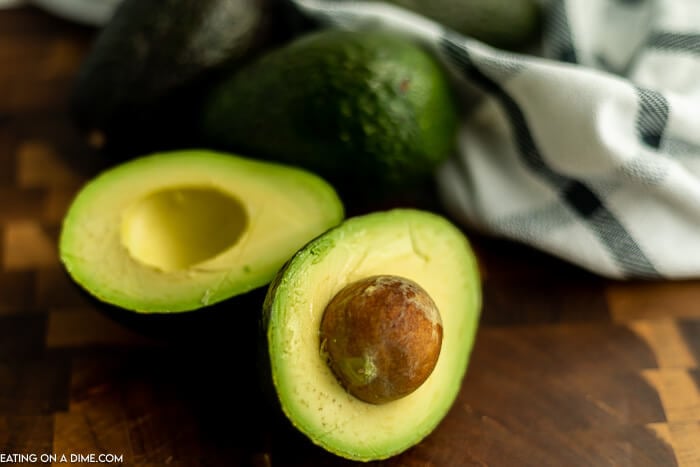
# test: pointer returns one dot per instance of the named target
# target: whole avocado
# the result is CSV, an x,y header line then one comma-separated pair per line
x,y
369,110
509,24
145,68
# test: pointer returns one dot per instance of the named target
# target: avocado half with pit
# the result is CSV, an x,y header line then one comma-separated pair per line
x,y
369,329
178,231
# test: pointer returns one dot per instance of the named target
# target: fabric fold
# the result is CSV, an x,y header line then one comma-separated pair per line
x,y
589,152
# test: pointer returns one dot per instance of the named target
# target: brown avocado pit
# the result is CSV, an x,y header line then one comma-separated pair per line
x,y
381,337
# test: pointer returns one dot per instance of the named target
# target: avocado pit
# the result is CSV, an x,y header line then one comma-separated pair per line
x,y
381,336
179,227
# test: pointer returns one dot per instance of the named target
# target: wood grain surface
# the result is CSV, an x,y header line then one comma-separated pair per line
x,y
568,369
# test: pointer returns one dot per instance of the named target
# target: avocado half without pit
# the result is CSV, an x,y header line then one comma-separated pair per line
x,y
178,231
369,329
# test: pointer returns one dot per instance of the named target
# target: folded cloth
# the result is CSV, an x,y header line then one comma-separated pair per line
x,y
589,151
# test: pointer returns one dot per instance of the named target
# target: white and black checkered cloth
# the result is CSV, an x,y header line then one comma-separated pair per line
x,y
591,151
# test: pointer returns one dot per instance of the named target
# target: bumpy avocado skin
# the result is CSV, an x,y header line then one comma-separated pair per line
x,y
143,76
276,320
368,110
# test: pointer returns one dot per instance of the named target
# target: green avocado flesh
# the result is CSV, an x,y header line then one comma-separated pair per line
x,y
178,231
417,245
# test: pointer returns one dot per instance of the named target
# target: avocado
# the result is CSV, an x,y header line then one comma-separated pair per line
x,y
509,24
177,231
371,111
140,82
377,275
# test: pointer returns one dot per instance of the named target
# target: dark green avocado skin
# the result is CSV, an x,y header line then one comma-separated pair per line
x,y
228,322
147,66
508,24
370,111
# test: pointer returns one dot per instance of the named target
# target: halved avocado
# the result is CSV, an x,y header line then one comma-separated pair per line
x,y
178,231
422,248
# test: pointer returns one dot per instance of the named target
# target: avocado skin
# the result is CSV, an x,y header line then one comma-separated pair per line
x,y
509,24
141,81
229,321
370,111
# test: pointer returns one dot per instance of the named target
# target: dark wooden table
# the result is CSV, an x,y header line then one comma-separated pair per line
x,y
568,369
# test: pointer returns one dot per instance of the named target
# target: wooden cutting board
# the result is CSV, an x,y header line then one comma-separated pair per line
x,y
568,369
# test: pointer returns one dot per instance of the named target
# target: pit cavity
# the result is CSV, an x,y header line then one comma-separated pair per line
x,y
177,228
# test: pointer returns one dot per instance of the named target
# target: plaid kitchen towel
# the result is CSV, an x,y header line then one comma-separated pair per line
x,y
589,151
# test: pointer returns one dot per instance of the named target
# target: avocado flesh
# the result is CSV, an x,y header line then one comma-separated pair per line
x,y
414,244
179,231
178,228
